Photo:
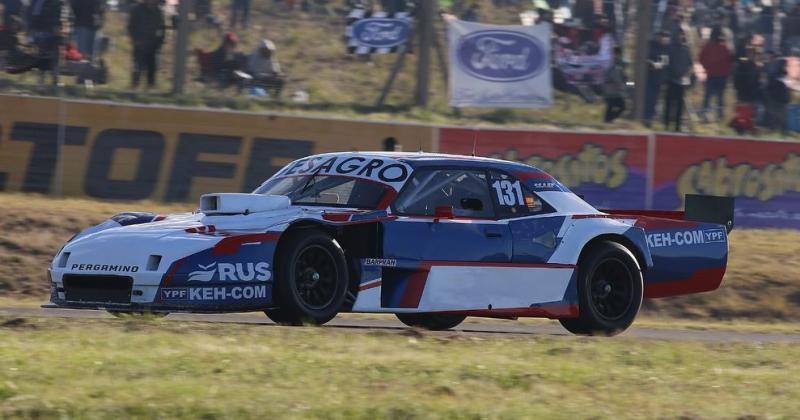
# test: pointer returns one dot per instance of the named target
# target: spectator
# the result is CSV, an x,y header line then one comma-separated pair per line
x,y
777,99
772,64
265,69
472,14
747,79
88,19
614,86
765,25
717,61
790,30
658,59
240,13
44,25
146,29
225,61
727,34
11,9
678,74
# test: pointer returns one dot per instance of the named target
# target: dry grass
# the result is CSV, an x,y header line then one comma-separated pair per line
x,y
762,282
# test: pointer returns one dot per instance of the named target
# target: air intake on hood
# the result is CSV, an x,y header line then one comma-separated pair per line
x,y
242,203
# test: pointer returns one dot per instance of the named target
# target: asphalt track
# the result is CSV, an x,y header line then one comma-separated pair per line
x,y
481,328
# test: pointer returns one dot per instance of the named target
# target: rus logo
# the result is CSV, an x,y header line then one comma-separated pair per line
x,y
232,272
381,32
501,56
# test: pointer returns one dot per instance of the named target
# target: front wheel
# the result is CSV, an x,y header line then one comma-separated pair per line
x,y
431,321
609,291
312,279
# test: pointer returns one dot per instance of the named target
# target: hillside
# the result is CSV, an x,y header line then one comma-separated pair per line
x,y
311,50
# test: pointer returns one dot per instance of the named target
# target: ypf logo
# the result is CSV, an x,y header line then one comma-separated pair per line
x,y
381,32
501,56
232,272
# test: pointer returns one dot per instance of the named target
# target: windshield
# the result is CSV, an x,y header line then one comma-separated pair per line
x,y
326,190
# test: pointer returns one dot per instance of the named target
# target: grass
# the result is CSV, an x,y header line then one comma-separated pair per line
x,y
312,52
146,369
760,284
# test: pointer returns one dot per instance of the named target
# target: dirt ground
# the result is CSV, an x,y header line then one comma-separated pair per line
x,y
762,282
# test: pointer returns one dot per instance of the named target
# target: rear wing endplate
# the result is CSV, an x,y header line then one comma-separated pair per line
x,y
710,209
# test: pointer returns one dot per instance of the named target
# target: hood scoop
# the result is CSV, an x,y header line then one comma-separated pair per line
x,y
228,203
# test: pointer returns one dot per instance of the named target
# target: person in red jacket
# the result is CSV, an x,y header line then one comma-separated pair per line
x,y
717,61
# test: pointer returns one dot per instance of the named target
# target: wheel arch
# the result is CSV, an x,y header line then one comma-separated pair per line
x,y
353,239
642,256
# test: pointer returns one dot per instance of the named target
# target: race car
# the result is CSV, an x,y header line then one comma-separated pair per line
x,y
431,238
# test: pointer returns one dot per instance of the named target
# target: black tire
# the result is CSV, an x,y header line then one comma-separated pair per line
x,y
311,281
431,321
609,291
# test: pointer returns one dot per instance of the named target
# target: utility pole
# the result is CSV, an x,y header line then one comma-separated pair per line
x,y
644,31
181,41
425,30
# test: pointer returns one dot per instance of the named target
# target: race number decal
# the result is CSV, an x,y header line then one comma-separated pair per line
x,y
508,193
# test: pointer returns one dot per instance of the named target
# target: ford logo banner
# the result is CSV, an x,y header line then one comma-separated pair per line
x,y
496,66
381,32
501,56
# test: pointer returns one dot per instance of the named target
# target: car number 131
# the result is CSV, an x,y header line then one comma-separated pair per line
x,y
508,193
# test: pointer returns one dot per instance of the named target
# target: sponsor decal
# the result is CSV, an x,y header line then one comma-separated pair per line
x,y
382,262
500,55
717,177
381,32
384,170
590,165
106,267
685,238
231,272
214,293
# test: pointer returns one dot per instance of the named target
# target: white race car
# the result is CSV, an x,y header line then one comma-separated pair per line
x,y
431,238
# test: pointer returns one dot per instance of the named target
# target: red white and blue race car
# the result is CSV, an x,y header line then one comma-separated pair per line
x,y
431,238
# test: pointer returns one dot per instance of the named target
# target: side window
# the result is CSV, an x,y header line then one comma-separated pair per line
x,y
513,199
466,190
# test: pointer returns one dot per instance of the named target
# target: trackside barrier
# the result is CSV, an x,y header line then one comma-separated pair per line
x,y
134,152
763,176
623,170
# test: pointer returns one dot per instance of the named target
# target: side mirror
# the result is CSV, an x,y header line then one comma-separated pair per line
x,y
474,204
443,212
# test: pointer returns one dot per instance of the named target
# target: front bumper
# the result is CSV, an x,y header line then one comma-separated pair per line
x,y
176,297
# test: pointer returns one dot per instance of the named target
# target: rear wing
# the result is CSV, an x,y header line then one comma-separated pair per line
x,y
698,208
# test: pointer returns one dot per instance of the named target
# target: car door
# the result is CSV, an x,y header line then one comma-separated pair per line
x,y
472,233
533,223
435,253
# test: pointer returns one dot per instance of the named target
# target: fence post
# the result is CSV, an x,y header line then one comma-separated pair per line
x,y
181,41
425,29
644,29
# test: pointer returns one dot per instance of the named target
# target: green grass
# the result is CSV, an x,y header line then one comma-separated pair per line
x,y
312,52
146,369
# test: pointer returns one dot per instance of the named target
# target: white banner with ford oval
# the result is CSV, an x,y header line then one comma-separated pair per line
x,y
499,66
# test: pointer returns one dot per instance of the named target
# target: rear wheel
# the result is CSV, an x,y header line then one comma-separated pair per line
x,y
609,291
312,279
431,321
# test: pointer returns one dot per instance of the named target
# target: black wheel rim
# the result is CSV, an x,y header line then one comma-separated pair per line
x,y
316,277
611,289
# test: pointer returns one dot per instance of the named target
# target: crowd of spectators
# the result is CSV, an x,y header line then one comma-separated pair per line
x,y
716,45
59,38
705,46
